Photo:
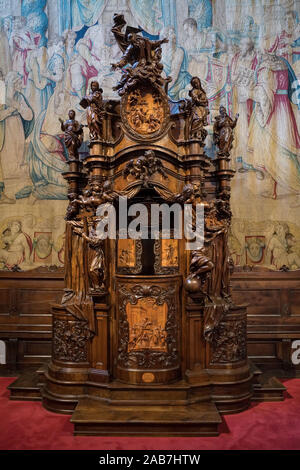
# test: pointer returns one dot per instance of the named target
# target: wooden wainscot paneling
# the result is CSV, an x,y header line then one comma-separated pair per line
x,y
273,313
25,317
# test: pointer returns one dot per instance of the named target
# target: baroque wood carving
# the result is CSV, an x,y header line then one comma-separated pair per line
x,y
144,167
70,340
146,357
166,256
148,311
229,341
129,256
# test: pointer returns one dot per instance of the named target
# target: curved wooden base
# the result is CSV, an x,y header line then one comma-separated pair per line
x,y
180,408
99,402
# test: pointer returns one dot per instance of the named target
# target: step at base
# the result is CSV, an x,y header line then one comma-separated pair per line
x,y
95,418
26,387
268,389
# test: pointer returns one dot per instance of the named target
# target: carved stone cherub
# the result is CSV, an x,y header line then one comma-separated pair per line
x,y
73,134
94,105
223,131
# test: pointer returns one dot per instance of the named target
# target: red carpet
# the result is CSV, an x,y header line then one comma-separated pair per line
x,y
27,425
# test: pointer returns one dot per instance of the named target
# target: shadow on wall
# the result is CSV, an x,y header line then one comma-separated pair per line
x,y
2,353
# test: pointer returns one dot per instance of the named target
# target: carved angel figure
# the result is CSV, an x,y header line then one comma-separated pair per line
x,y
73,135
223,206
142,54
223,131
188,195
136,49
94,105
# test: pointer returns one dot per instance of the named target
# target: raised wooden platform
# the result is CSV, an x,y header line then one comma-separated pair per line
x,y
268,389
92,417
28,385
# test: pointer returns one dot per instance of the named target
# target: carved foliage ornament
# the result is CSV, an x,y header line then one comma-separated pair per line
x,y
148,358
229,341
70,340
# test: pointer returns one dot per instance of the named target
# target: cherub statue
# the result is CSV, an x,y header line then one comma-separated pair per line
x,y
187,195
211,216
223,131
223,205
73,134
154,164
94,105
98,194
144,167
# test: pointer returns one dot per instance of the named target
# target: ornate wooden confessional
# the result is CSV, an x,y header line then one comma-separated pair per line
x,y
147,339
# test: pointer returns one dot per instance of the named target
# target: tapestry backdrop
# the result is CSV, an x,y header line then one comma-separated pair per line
x,y
247,54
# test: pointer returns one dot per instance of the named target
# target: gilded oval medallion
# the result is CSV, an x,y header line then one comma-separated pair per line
x,y
145,111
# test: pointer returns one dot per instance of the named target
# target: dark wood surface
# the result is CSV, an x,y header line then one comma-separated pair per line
x,y
273,314
273,321
25,316
94,418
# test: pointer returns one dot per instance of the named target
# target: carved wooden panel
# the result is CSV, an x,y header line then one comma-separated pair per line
x,y
147,321
148,326
145,112
129,253
294,302
70,340
229,341
166,256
